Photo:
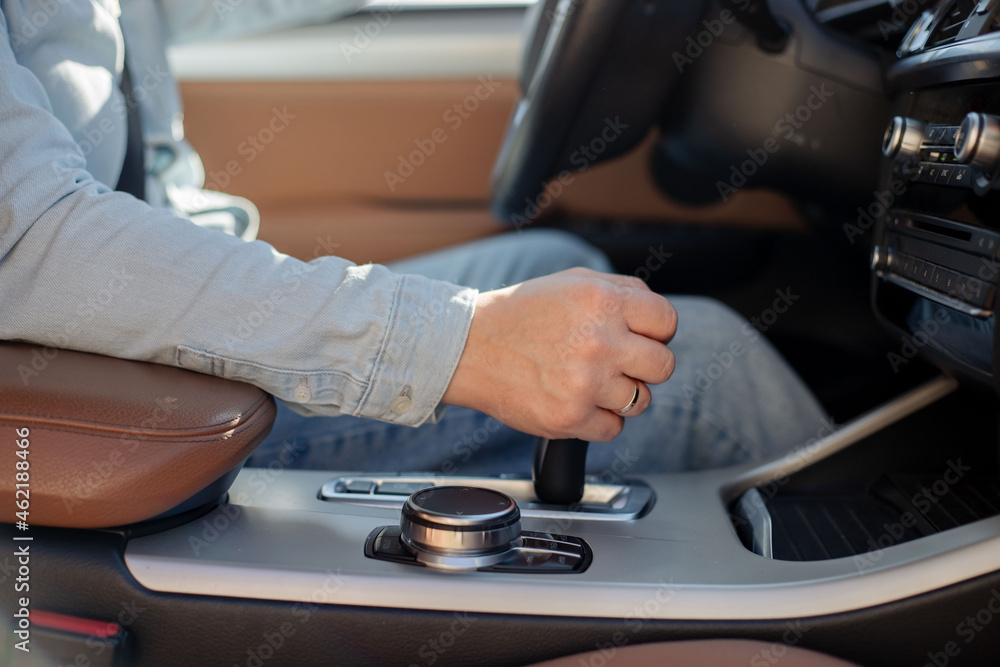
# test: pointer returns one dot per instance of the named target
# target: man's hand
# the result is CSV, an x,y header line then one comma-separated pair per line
x,y
557,356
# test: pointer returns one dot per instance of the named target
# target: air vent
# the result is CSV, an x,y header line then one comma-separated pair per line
x,y
950,22
879,22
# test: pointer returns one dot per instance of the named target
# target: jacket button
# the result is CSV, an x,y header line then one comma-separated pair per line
x,y
302,394
401,405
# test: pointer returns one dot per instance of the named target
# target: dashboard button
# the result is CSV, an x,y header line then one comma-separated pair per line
x,y
944,280
950,134
960,176
935,134
944,174
926,274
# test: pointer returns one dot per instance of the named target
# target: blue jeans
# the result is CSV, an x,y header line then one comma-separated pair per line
x,y
732,397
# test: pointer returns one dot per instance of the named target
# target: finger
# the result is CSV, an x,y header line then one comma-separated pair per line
x,y
601,426
649,314
646,360
617,396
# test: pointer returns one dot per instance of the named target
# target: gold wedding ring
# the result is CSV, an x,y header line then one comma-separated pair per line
x,y
631,404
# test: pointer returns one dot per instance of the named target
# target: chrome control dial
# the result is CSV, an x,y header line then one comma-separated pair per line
x,y
978,141
460,527
902,139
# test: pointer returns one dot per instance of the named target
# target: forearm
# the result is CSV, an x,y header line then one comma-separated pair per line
x,y
89,269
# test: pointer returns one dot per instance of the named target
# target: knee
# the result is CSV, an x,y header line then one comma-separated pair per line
x,y
561,250
710,325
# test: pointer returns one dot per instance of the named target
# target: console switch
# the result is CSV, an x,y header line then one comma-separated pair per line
x,y
539,553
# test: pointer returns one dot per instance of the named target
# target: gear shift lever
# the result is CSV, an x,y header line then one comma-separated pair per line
x,y
558,470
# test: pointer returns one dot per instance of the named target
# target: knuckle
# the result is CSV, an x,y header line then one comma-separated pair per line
x,y
667,367
610,430
598,297
589,344
636,283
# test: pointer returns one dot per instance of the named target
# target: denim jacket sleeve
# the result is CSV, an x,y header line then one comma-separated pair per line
x,y
86,268
188,21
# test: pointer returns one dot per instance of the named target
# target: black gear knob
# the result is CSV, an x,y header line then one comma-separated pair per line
x,y
558,470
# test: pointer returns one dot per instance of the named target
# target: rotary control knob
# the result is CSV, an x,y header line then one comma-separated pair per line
x,y
902,139
978,141
460,527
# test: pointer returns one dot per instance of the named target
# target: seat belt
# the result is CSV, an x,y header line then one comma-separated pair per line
x,y
133,176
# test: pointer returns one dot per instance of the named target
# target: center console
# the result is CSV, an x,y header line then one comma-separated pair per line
x,y
934,260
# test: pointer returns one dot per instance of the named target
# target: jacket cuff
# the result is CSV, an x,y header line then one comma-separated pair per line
x,y
423,342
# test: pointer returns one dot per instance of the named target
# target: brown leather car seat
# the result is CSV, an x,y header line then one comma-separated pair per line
x,y
700,653
111,442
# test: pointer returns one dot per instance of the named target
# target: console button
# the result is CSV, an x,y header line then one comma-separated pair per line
x,y
553,543
921,172
539,561
384,543
950,134
944,280
360,486
959,176
926,274
944,174
902,264
401,488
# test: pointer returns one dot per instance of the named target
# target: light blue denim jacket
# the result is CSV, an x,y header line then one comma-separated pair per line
x,y
86,268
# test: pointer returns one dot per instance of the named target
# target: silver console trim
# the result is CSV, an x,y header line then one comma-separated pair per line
x,y
278,543
600,502
813,451
937,297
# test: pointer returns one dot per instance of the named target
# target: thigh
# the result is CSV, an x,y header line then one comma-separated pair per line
x,y
506,259
732,399
464,442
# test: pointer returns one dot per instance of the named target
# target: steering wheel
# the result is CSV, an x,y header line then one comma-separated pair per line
x,y
594,77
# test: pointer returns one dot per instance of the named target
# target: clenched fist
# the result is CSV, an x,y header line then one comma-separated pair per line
x,y
558,356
